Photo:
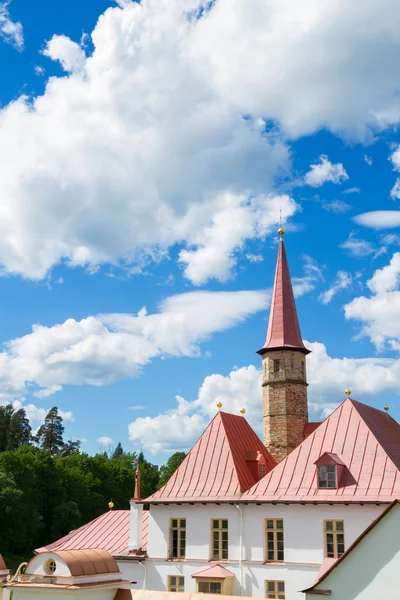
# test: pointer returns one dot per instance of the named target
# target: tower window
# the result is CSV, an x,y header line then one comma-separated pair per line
x,y
327,476
277,366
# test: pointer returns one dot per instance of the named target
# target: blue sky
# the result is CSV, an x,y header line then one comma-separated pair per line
x,y
145,152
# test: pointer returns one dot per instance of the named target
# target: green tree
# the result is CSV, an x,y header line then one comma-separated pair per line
x,y
20,431
118,452
6,412
50,434
70,447
149,476
167,470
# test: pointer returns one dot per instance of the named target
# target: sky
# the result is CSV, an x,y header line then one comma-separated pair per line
x,y
147,150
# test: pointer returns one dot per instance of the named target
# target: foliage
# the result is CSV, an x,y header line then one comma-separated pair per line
x,y
15,430
167,470
50,434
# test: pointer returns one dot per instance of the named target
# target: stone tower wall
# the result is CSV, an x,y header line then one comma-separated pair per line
x,y
285,408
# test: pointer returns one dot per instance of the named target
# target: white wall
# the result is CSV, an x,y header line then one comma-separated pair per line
x,y
371,571
303,534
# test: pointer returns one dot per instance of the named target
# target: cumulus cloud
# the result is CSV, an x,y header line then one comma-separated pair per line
x,y
179,427
106,348
10,31
68,53
324,172
37,414
104,440
379,219
133,150
379,313
342,281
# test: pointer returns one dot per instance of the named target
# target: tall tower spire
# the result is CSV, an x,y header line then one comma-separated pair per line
x,y
285,410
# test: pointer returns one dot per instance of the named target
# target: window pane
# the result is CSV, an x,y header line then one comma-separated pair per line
x,y
329,525
215,524
174,523
204,587
279,524
339,525
225,524
271,586
270,524
281,586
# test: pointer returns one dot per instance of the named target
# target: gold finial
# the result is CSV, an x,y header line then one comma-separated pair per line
x,y
347,392
281,231
386,407
111,505
242,411
219,405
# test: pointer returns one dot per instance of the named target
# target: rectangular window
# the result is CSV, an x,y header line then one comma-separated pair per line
x,y
277,366
177,539
219,539
327,476
274,540
334,538
176,583
275,589
209,587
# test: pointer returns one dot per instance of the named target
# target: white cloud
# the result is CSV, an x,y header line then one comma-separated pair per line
x,y
38,414
102,349
104,440
342,281
336,206
391,239
236,220
324,172
178,428
395,159
10,31
379,314
368,160
132,151
360,248
312,275
69,54
379,219
352,190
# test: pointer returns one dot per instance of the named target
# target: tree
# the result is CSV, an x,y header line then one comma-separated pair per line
x,y
167,470
20,431
70,447
118,452
149,476
6,412
50,434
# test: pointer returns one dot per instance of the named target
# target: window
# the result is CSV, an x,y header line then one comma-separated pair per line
x,y
262,470
209,587
274,540
277,366
50,567
219,539
334,538
327,476
177,544
275,589
176,583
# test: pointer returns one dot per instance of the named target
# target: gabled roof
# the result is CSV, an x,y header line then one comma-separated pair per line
x,y
283,325
335,562
109,532
216,467
367,440
214,572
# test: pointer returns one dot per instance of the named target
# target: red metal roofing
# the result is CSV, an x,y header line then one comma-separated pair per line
x,y
283,326
367,440
323,573
214,572
91,561
216,466
109,532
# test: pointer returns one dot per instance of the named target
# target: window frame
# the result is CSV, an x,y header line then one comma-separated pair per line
x,y
335,532
276,594
177,585
180,531
223,554
333,469
275,530
277,365
210,582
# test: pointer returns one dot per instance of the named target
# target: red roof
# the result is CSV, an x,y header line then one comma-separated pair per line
x,y
109,532
216,467
214,572
365,439
283,326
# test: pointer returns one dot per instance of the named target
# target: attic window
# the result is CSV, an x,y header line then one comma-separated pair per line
x,y
262,470
327,476
50,567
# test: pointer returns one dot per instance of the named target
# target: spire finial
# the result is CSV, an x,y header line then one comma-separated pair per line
x,y
281,231
347,392
386,408
111,505
219,405
243,411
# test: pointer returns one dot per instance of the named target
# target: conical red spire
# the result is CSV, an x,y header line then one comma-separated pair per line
x,y
283,326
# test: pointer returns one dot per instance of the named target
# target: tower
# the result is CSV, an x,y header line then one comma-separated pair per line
x,y
284,375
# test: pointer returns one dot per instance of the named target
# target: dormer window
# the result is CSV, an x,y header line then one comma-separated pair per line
x,y
262,470
327,476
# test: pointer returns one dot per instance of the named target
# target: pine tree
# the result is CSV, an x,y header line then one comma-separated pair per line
x,y
118,452
20,431
6,413
50,434
70,447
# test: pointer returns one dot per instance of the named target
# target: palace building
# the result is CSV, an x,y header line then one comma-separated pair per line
x,y
260,519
